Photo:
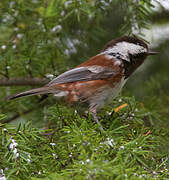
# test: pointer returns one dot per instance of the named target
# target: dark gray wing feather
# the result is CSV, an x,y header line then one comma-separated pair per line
x,y
84,74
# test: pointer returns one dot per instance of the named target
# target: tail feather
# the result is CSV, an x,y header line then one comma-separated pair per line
x,y
37,91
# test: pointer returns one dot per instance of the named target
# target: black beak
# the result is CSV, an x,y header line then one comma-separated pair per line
x,y
152,52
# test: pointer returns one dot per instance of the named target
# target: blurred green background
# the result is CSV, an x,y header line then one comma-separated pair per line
x,y
42,38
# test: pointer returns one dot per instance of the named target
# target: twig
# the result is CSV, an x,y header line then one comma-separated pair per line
x,y
23,81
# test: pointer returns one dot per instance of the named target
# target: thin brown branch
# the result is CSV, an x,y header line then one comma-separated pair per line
x,y
23,81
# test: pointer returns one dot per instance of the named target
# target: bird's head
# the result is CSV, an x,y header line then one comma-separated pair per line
x,y
130,50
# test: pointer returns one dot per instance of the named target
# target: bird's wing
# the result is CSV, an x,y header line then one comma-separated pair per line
x,y
86,73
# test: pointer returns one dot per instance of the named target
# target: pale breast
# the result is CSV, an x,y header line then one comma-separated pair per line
x,y
106,94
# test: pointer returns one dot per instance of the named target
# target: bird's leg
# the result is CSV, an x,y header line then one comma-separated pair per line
x,y
92,110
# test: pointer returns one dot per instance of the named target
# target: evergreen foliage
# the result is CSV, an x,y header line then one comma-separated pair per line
x,y
74,148
41,39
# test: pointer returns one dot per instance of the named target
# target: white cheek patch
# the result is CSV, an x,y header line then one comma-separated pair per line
x,y
130,48
122,50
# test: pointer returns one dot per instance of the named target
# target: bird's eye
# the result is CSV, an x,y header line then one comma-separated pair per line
x,y
111,54
116,55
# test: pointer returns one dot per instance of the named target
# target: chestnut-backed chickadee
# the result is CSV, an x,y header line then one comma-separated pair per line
x,y
100,78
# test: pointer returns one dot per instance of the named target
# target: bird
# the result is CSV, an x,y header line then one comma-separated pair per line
x,y
98,80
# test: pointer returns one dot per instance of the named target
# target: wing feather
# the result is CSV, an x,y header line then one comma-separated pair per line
x,y
86,73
